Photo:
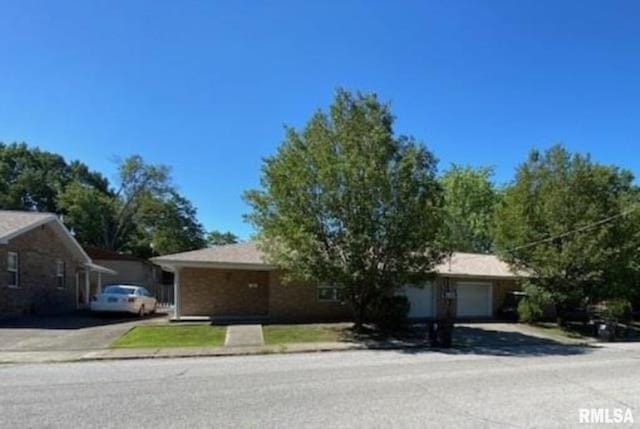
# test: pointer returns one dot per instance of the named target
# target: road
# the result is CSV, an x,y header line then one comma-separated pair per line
x,y
519,388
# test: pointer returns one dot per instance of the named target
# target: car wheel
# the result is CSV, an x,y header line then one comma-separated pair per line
x,y
141,311
155,308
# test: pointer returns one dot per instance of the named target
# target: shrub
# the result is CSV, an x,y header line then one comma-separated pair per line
x,y
390,312
532,308
617,309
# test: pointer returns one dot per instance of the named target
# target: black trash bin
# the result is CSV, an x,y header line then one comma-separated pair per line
x,y
441,333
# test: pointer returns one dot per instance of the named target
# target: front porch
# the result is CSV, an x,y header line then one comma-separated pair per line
x,y
84,291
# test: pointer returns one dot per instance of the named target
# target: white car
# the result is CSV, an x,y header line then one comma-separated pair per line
x,y
125,298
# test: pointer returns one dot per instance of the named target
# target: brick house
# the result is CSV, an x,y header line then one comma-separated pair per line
x,y
235,282
43,268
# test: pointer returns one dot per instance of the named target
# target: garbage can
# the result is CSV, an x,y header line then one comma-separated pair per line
x,y
606,330
441,333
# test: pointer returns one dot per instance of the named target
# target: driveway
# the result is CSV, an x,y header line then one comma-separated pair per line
x,y
496,334
74,332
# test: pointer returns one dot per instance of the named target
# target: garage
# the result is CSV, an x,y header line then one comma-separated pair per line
x,y
474,299
421,300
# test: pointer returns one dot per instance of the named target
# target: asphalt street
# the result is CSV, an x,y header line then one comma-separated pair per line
x,y
518,388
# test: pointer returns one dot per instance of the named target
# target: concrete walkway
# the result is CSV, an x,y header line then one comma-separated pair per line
x,y
244,336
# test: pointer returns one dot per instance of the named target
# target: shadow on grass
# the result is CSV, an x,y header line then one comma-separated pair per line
x,y
466,340
625,331
77,320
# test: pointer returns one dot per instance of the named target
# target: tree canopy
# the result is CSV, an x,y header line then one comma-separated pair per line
x,y
470,199
346,202
31,179
142,214
567,220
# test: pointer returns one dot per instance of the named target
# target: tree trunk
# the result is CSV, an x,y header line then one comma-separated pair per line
x,y
359,308
560,314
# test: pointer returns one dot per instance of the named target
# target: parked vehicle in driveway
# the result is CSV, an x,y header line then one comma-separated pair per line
x,y
126,299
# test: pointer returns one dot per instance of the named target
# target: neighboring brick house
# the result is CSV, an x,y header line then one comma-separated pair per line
x,y
234,282
129,270
43,269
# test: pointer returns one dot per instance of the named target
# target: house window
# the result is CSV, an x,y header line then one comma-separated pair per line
x,y
60,277
330,293
13,269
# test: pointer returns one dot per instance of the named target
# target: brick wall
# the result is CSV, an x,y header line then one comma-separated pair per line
x,y
214,292
298,301
38,251
219,293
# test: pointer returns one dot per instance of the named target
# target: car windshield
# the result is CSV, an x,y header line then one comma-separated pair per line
x,y
120,290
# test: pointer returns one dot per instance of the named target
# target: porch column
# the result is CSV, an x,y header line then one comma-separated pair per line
x,y
87,286
176,294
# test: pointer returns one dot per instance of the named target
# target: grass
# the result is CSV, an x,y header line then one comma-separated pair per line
x,y
570,332
580,331
283,334
172,336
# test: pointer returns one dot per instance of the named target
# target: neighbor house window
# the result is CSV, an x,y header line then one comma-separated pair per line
x,y
13,269
330,293
60,277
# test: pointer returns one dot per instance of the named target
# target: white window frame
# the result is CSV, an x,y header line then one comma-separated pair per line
x,y
15,269
334,297
60,274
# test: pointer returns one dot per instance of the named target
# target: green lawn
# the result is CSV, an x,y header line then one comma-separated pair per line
x,y
283,334
570,332
172,336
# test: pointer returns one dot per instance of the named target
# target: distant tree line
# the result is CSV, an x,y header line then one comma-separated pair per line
x,y
140,213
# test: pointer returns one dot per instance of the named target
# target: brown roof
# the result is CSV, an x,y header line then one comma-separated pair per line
x,y
13,223
475,265
240,253
460,264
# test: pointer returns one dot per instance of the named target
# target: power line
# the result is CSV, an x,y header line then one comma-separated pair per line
x,y
564,234
581,229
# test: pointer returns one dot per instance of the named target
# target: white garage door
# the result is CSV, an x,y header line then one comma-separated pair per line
x,y
421,300
474,299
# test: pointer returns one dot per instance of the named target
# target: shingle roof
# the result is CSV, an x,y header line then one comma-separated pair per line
x,y
240,253
15,222
475,265
461,264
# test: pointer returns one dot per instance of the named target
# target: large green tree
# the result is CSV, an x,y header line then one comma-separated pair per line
x,y
31,179
569,221
346,202
90,213
470,201
143,214
171,225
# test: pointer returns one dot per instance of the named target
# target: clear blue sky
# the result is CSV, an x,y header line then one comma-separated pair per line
x,y
206,87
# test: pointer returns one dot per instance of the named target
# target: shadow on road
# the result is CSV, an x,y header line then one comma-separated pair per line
x,y
75,320
475,340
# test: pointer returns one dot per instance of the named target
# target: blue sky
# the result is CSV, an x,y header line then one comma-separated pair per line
x,y
206,87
